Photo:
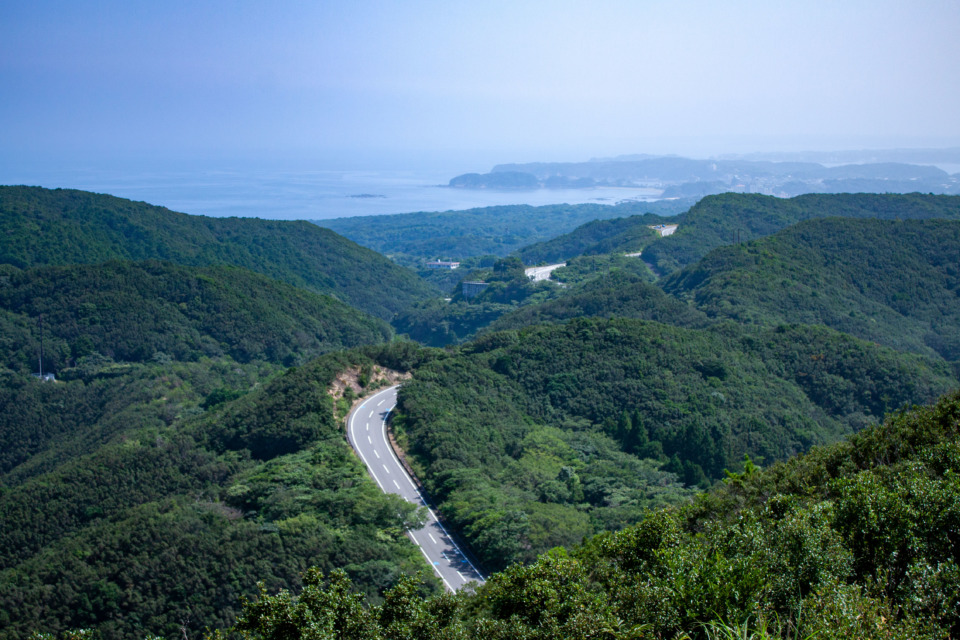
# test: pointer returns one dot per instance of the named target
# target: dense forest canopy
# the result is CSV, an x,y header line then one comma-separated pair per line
x,y
177,459
153,499
623,235
519,431
442,322
619,293
133,312
892,282
854,540
831,263
413,238
65,226
728,218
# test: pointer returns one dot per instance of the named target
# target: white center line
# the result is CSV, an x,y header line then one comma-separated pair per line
x,y
432,538
396,485
381,402
369,439
387,469
375,453
371,414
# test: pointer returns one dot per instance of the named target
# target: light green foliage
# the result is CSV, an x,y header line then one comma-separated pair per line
x,y
585,268
150,513
330,611
767,554
531,439
776,553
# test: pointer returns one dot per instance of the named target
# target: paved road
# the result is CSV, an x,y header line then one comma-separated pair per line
x,y
665,229
542,273
367,432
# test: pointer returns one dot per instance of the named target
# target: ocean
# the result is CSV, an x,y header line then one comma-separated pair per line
x,y
305,195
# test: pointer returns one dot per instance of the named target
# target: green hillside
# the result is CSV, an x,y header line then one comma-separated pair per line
x,y
724,219
617,294
133,312
440,322
64,226
855,540
412,238
604,285
175,462
624,235
536,438
892,282
161,494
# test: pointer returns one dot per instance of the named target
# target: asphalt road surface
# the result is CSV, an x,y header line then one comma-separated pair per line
x,y
367,432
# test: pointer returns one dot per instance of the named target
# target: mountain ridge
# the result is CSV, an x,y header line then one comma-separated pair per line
x,y
67,226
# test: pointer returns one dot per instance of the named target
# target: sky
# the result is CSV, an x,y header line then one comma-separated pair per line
x,y
358,83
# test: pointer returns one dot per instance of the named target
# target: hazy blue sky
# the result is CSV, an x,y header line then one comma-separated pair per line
x,y
488,81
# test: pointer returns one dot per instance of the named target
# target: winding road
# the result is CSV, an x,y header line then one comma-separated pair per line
x,y
367,432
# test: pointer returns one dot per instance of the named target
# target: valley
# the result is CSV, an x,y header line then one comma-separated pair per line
x,y
196,439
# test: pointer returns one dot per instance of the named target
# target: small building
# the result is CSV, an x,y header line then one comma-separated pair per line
x,y
442,264
473,289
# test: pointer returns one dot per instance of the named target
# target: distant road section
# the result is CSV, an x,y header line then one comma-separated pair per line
x,y
665,229
542,273
367,432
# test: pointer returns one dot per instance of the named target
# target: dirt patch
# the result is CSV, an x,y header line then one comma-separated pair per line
x,y
376,377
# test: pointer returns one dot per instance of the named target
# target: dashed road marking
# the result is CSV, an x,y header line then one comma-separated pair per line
x,y
455,554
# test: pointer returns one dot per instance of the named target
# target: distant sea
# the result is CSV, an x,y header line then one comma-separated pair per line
x,y
306,195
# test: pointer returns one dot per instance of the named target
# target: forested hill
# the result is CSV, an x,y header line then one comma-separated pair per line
x,y
723,219
411,238
617,294
852,541
892,282
136,312
534,438
63,226
623,235
148,501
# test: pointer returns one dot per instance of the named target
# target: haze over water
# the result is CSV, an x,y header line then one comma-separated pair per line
x,y
290,194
